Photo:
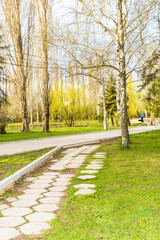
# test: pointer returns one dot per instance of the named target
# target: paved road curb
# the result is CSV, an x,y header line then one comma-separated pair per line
x,y
7,183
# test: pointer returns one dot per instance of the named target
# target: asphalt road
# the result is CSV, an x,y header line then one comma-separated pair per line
x,y
10,148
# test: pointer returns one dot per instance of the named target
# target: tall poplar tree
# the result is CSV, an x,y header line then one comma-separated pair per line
x,y
19,60
43,9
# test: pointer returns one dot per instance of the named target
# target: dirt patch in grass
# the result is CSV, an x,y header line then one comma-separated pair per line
x,y
110,141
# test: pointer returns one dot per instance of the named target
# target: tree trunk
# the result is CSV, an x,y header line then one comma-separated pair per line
x,y
117,122
25,120
45,104
146,114
122,77
37,113
2,128
129,122
112,121
31,115
104,108
46,74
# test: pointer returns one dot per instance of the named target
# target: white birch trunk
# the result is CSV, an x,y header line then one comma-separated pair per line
x,y
122,78
104,108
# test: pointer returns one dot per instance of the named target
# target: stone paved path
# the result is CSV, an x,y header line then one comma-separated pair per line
x,y
95,164
30,212
37,144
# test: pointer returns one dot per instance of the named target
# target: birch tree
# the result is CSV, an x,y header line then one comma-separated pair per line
x,y
121,29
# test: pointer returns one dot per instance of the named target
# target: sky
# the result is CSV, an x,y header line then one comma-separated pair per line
x,y
61,10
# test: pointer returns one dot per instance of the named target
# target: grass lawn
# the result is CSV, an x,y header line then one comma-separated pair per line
x,y
15,134
11,164
126,205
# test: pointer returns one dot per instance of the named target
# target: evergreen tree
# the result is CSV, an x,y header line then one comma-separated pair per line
x,y
111,104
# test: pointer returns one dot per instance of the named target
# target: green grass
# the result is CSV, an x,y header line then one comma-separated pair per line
x,y
11,164
15,134
126,205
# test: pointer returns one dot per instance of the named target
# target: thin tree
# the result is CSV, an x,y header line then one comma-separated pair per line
x,y
19,72
43,9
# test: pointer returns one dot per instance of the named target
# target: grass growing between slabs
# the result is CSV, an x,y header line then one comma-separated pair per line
x,y
11,164
126,205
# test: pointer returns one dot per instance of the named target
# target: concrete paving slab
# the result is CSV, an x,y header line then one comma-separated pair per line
x,y
103,153
63,161
66,175
99,161
57,189
34,228
89,171
62,179
16,211
3,206
93,167
11,221
46,208
43,181
54,194
73,166
99,153
84,186
51,174
29,197
87,152
84,177
54,160
59,164
77,162
35,190
58,168
60,184
46,178
78,158
85,191
8,233
67,158
99,156
72,154
30,179
82,157
24,203
33,186
99,164
11,199
50,200
40,217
